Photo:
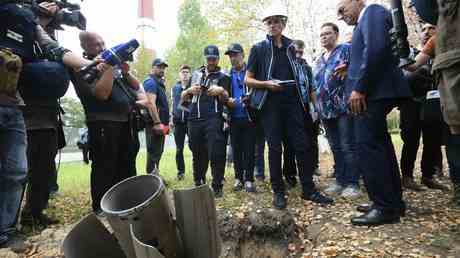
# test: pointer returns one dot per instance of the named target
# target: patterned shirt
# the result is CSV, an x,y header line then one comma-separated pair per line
x,y
330,90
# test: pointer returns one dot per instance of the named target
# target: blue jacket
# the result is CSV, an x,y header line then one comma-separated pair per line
x,y
263,52
178,114
373,68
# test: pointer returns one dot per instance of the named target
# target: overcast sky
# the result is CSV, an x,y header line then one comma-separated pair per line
x,y
116,21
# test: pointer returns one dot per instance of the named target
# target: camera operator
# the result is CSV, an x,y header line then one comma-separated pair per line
x,y
109,103
416,120
208,93
44,128
19,31
446,69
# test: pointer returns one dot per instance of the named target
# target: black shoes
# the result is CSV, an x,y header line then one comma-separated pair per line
x,y
409,183
317,197
376,217
28,219
218,193
13,240
433,184
279,201
291,182
365,208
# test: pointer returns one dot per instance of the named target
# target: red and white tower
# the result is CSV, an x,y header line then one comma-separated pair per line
x,y
146,27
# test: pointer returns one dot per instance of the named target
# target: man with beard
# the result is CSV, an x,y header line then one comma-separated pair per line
x,y
155,134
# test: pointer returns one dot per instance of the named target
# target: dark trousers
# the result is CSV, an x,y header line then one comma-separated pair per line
x,y
377,158
180,131
259,156
155,147
208,144
113,150
284,118
243,140
453,157
412,128
289,165
54,186
41,151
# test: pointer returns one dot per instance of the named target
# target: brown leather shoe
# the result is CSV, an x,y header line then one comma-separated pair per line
x,y
433,184
409,183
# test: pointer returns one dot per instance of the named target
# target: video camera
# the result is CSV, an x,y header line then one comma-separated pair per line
x,y
399,34
114,56
69,14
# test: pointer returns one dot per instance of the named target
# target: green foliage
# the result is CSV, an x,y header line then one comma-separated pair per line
x,y
74,116
143,62
195,34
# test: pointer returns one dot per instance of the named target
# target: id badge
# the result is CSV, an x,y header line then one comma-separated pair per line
x,y
432,94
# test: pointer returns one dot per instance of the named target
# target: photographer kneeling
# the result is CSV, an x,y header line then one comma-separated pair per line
x,y
109,103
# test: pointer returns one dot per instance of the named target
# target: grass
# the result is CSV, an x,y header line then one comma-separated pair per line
x,y
74,182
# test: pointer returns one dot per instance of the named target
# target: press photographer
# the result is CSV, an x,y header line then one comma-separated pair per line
x,y
110,103
41,85
20,33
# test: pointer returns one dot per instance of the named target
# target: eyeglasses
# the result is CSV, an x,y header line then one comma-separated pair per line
x,y
273,21
341,11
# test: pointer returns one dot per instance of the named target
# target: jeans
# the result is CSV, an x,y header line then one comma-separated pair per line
x,y
13,165
259,156
155,147
453,157
283,117
113,150
180,131
242,134
339,132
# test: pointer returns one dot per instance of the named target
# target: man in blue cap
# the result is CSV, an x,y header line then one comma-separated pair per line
x,y
155,133
242,129
206,97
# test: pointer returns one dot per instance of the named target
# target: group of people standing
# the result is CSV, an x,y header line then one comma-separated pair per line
x,y
352,87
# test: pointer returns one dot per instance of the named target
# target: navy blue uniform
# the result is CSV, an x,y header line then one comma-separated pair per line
x,y
179,117
206,129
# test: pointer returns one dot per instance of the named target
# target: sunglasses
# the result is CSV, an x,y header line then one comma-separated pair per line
x,y
211,58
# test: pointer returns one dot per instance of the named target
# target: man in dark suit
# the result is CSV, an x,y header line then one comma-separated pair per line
x,y
375,85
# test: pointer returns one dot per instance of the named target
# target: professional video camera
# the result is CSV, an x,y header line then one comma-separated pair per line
x,y
399,34
68,14
114,56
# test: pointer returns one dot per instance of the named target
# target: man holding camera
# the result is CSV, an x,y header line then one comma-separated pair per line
x,y
19,31
206,97
109,103
281,97
179,118
155,133
242,129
